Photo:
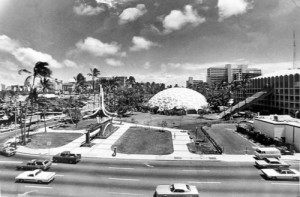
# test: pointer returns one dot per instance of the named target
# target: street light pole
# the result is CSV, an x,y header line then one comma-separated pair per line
x,y
16,113
196,133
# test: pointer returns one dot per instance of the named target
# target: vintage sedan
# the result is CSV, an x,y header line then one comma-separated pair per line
x,y
8,151
35,176
271,163
176,189
35,164
281,173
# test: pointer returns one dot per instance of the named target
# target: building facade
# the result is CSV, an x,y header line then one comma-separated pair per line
x,y
285,96
281,127
192,82
228,73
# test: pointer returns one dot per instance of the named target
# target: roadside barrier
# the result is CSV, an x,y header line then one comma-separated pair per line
x,y
218,148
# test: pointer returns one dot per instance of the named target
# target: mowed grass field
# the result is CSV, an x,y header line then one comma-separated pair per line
x,y
138,140
40,140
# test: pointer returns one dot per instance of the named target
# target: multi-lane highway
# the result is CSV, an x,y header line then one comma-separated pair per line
x,y
113,177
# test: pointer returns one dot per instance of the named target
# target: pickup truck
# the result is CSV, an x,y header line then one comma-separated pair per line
x,y
176,189
35,164
66,157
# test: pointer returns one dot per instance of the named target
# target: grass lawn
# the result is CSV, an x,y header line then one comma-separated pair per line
x,y
138,140
40,140
83,124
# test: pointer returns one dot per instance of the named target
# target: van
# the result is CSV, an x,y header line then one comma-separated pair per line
x,y
262,153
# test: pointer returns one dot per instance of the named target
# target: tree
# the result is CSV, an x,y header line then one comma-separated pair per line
x,y
79,86
94,73
40,70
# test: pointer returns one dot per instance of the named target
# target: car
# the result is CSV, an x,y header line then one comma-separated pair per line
x,y
281,173
8,151
176,189
66,157
271,163
35,176
35,164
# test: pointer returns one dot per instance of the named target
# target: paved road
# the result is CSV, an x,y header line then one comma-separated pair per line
x,y
112,177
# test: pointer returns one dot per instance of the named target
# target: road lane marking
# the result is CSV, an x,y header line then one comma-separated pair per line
x,y
11,162
59,175
54,164
148,165
285,183
196,170
119,179
130,194
121,168
40,187
205,182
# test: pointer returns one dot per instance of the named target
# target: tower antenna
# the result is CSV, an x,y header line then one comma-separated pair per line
x,y
294,50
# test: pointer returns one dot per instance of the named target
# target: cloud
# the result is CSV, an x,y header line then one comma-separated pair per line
x,y
228,8
147,65
70,64
140,43
113,3
29,57
132,14
178,19
87,10
7,44
113,62
8,65
97,47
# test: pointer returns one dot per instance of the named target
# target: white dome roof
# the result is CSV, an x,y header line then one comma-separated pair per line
x,y
180,98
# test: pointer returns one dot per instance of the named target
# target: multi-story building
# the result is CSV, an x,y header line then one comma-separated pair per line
x,y
285,95
192,82
2,87
216,75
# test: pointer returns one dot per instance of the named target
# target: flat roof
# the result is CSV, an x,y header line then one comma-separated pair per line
x,y
281,119
280,73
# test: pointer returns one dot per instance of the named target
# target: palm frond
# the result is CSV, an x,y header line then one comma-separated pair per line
x,y
23,71
27,82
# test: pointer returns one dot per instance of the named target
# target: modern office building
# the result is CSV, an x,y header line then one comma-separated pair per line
x,y
216,75
284,97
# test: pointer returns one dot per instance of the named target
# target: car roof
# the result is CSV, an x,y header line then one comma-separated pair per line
x,y
272,159
268,148
180,186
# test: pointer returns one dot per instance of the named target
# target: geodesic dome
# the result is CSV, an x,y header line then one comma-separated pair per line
x,y
179,98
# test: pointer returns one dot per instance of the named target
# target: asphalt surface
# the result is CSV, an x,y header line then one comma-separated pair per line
x,y
112,177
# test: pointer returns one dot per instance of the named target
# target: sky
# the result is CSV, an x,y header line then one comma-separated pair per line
x,y
165,41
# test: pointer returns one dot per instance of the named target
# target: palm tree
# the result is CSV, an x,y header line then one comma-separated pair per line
x,y
94,73
46,85
79,86
40,70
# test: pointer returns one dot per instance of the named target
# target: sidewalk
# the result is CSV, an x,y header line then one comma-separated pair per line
x,y
102,148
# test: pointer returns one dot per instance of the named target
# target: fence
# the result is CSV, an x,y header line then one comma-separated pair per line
x,y
218,148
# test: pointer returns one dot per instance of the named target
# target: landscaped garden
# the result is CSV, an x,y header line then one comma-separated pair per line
x,y
138,140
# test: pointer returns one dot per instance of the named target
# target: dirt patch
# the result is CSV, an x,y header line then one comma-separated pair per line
x,y
137,140
51,140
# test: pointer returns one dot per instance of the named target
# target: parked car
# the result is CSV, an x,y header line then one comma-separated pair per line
x,y
176,189
8,151
66,157
271,163
269,152
35,164
35,176
281,173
